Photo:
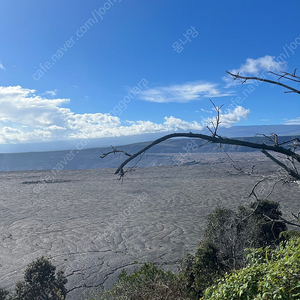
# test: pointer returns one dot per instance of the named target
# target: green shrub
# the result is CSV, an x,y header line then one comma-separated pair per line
x,y
258,225
4,294
288,234
202,269
41,282
227,230
148,282
270,274
266,216
228,233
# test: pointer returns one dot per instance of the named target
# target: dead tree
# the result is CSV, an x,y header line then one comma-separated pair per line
x,y
287,148
270,145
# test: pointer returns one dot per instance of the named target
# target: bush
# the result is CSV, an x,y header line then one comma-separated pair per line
x,y
147,283
202,269
226,229
4,294
270,274
228,233
268,224
257,225
41,282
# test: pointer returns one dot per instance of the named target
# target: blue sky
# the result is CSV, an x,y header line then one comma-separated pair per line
x,y
72,70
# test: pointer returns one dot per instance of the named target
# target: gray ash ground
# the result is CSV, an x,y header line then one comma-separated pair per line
x,y
92,226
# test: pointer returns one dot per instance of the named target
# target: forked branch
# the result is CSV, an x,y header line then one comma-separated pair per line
x,y
245,78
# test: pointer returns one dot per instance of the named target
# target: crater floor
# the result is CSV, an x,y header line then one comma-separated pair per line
x,y
92,226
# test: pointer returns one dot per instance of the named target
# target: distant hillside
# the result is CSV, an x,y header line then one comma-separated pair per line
x,y
234,131
166,153
248,131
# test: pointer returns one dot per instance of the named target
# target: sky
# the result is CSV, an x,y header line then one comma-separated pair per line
x,y
107,70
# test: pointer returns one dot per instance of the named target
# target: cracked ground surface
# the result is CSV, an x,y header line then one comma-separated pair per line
x,y
92,226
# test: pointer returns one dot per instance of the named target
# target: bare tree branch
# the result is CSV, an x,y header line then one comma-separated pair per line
x,y
254,187
215,126
282,220
273,138
292,140
237,76
114,151
212,139
279,163
239,169
286,75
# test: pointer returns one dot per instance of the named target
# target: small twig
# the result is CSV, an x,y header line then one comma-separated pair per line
x,y
297,217
273,138
203,144
286,74
292,140
254,187
114,151
273,187
215,126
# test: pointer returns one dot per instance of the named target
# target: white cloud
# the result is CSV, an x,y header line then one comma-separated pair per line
x,y
183,93
22,106
1,66
255,67
207,111
175,124
230,117
51,93
292,121
27,117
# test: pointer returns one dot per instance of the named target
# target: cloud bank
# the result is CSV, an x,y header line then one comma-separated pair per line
x,y
292,121
27,117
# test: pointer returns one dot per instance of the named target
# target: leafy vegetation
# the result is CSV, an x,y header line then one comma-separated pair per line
x,y
3,294
202,269
228,233
147,283
270,274
40,283
219,269
222,251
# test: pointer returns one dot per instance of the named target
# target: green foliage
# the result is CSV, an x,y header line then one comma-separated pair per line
x,y
148,282
202,269
222,250
226,229
228,233
286,235
257,225
270,274
226,237
268,224
3,294
41,282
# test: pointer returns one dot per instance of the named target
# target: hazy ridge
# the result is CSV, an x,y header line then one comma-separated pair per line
x,y
170,152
